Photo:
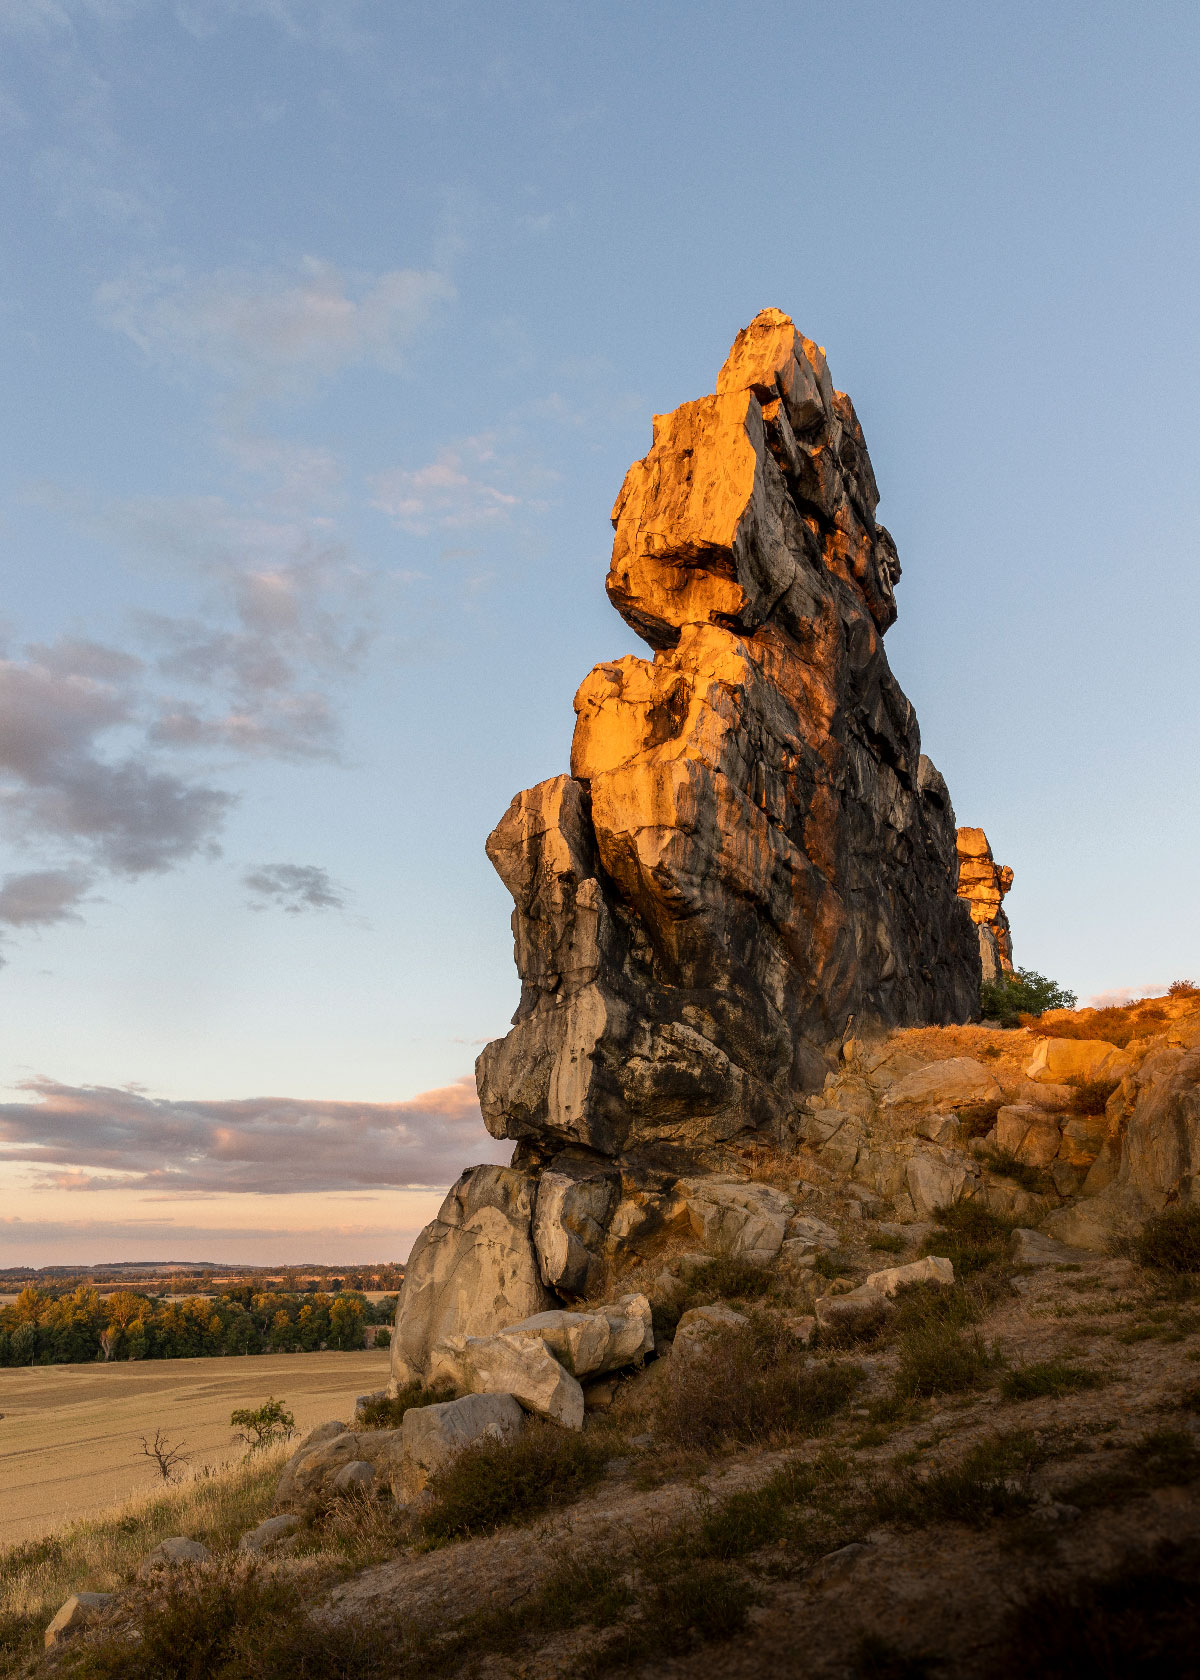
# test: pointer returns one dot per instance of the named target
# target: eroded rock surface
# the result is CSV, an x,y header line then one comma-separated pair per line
x,y
983,885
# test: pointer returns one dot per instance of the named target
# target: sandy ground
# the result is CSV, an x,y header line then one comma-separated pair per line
x,y
70,1435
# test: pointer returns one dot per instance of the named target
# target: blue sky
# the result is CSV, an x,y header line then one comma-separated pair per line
x,y
330,328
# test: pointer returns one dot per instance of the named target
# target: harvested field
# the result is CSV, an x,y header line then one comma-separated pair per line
x,y
70,1435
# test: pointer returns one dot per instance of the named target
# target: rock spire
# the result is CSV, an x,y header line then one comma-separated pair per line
x,y
750,852
983,884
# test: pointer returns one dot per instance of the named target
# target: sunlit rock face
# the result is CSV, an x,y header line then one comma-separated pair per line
x,y
751,852
982,884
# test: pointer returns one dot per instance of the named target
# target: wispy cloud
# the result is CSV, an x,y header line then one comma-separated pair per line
x,y
294,887
466,484
91,1138
42,897
268,329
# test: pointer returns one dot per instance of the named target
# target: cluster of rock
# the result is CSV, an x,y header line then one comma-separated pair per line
x,y
983,884
750,854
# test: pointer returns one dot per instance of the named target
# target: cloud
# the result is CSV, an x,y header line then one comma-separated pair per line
x,y
294,887
58,704
264,328
1126,994
42,897
457,489
92,1138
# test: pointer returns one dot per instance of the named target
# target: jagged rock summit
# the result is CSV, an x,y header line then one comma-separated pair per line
x,y
984,884
751,851
750,861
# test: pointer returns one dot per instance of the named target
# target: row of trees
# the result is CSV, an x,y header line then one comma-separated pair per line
x,y
40,1329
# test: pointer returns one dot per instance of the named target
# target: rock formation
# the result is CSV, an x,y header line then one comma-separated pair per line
x,y
983,884
750,854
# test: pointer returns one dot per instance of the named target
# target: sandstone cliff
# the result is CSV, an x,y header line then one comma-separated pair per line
x,y
751,850
983,884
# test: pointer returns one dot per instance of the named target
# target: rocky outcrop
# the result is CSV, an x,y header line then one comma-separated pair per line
x,y
982,883
750,851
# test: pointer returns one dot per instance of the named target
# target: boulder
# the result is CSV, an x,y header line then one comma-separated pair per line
x,y
433,1434
574,1203
750,850
471,1271
1028,1133
935,1179
269,1533
316,1466
944,1085
175,1550
856,1310
515,1362
744,1220
604,1338
357,1475
932,1269
813,1233
80,1610
1161,1160
1060,1060
699,1325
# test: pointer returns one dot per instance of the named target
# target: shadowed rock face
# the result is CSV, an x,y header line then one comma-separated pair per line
x,y
983,884
750,851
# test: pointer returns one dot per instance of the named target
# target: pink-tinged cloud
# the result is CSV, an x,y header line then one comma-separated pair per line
x,y
96,1138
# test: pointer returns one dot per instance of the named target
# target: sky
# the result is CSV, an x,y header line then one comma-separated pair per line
x,y
329,329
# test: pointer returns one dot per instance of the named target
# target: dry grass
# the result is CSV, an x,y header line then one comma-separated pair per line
x,y
101,1554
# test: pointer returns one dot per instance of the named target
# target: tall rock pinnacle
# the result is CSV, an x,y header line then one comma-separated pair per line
x,y
751,852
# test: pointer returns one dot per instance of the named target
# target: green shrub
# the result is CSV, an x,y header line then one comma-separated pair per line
x,y
382,1413
750,1385
885,1242
494,1482
970,1235
1022,993
263,1426
726,1279
1047,1378
706,1602
1170,1242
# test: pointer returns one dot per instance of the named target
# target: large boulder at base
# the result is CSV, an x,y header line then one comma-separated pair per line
x,y
746,1221
515,1362
1060,1060
80,1610
434,1434
604,1338
1028,1133
575,1200
315,1466
176,1549
471,1271
751,851
941,1085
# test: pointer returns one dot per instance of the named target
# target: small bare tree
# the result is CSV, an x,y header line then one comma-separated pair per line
x,y
167,1457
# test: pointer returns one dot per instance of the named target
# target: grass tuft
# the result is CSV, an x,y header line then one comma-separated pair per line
x,y
491,1483
1170,1242
382,1413
970,1235
1047,1379
986,1484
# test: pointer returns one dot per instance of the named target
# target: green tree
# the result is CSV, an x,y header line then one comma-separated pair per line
x,y
262,1426
1023,993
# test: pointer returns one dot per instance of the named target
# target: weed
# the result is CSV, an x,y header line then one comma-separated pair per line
x,y
829,1264
1047,1378
970,1235
707,1601
1091,1095
986,1484
886,1242
382,1413
756,1385
1170,1242
977,1119
494,1482
937,1358
1163,1458
725,1279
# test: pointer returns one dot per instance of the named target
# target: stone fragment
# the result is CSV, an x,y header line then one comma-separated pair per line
x,y
515,1362
943,1085
813,1232
77,1613
744,1220
473,1269
946,1129
1058,1060
1028,1133
983,885
604,1338
932,1269
935,1178
434,1434
269,1533
1083,1137
1035,1248
802,1326
570,1217
178,1548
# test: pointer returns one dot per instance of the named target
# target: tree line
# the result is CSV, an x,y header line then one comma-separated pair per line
x,y
41,1328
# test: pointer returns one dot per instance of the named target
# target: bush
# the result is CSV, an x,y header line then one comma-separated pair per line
x,y
1022,993
1170,1242
754,1385
1183,989
494,1482
983,1485
382,1413
970,1235
885,1242
263,1426
939,1359
1047,1378
726,1279
1091,1095
1005,1164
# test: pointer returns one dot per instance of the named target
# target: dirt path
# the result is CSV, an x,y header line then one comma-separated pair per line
x,y
70,1434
